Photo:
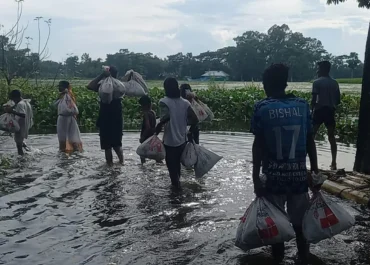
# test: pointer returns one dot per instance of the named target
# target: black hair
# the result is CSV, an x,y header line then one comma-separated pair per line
x,y
145,101
171,87
113,71
185,86
64,84
183,89
276,77
15,94
324,66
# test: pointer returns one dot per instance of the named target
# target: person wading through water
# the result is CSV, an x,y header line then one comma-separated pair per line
x,y
110,120
283,134
325,100
175,114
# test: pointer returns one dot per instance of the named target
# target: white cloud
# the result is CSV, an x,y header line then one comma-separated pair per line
x,y
168,26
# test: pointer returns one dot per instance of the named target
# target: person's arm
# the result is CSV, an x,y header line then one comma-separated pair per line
x,y
312,153
338,95
310,145
257,156
94,84
147,129
257,149
164,117
315,92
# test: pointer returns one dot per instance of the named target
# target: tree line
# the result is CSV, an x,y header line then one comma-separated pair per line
x,y
252,53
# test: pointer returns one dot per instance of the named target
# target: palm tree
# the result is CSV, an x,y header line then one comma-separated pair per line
x,y
362,161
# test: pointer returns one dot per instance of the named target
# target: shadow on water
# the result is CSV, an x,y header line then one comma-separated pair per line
x,y
72,209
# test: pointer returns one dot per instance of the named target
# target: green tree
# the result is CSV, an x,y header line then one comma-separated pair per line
x,y
72,66
353,62
362,163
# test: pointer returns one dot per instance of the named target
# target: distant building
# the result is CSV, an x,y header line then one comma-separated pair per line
x,y
215,75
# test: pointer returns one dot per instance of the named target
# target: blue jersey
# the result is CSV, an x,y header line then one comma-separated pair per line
x,y
284,124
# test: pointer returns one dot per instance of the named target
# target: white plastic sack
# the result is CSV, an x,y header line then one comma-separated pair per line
x,y
67,107
199,111
325,219
29,117
209,112
189,157
10,103
132,75
152,148
106,90
9,123
263,224
134,89
205,162
318,179
119,89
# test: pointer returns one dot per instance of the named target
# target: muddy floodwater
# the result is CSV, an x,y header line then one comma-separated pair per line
x,y
57,209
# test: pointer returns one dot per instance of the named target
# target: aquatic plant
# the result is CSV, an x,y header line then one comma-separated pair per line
x,y
230,106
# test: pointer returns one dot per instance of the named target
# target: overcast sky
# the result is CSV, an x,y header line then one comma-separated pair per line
x,y
165,27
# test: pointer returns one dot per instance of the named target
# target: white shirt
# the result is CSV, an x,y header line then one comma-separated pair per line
x,y
175,131
24,107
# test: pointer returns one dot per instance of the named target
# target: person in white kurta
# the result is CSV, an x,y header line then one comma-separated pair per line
x,y
24,115
67,127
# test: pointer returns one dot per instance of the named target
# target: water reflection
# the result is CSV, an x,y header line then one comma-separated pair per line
x,y
59,209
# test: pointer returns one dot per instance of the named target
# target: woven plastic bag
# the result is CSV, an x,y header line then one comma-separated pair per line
x,y
209,112
134,89
9,123
189,156
132,75
325,219
261,225
106,90
199,111
152,148
67,107
205,162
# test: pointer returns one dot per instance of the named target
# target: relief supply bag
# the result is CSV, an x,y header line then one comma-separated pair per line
x,y
152,148
325,219
263,224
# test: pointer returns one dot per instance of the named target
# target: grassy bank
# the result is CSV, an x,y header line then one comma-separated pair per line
x,y
233,108
349,80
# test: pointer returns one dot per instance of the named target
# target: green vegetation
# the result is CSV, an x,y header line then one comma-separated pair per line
x,y
349,80
233,108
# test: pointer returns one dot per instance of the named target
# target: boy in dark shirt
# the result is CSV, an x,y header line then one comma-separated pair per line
x,y
149,121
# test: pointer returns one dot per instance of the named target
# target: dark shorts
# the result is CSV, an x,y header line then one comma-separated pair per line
x,y
324,115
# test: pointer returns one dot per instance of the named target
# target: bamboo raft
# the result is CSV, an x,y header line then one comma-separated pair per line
x,y
348,185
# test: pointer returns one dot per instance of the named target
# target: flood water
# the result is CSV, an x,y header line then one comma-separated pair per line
x,y
58,209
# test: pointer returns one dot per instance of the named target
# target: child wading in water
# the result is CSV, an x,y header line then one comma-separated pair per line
x,y
149,121
67,127
24,115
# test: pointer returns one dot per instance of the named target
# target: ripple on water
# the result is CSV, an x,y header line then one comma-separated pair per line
x,y
72,209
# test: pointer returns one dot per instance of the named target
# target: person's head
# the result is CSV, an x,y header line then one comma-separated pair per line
x,y
145,103
15,95
171,87
323,68
275,79
113,71
185,86
183,89
63,85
